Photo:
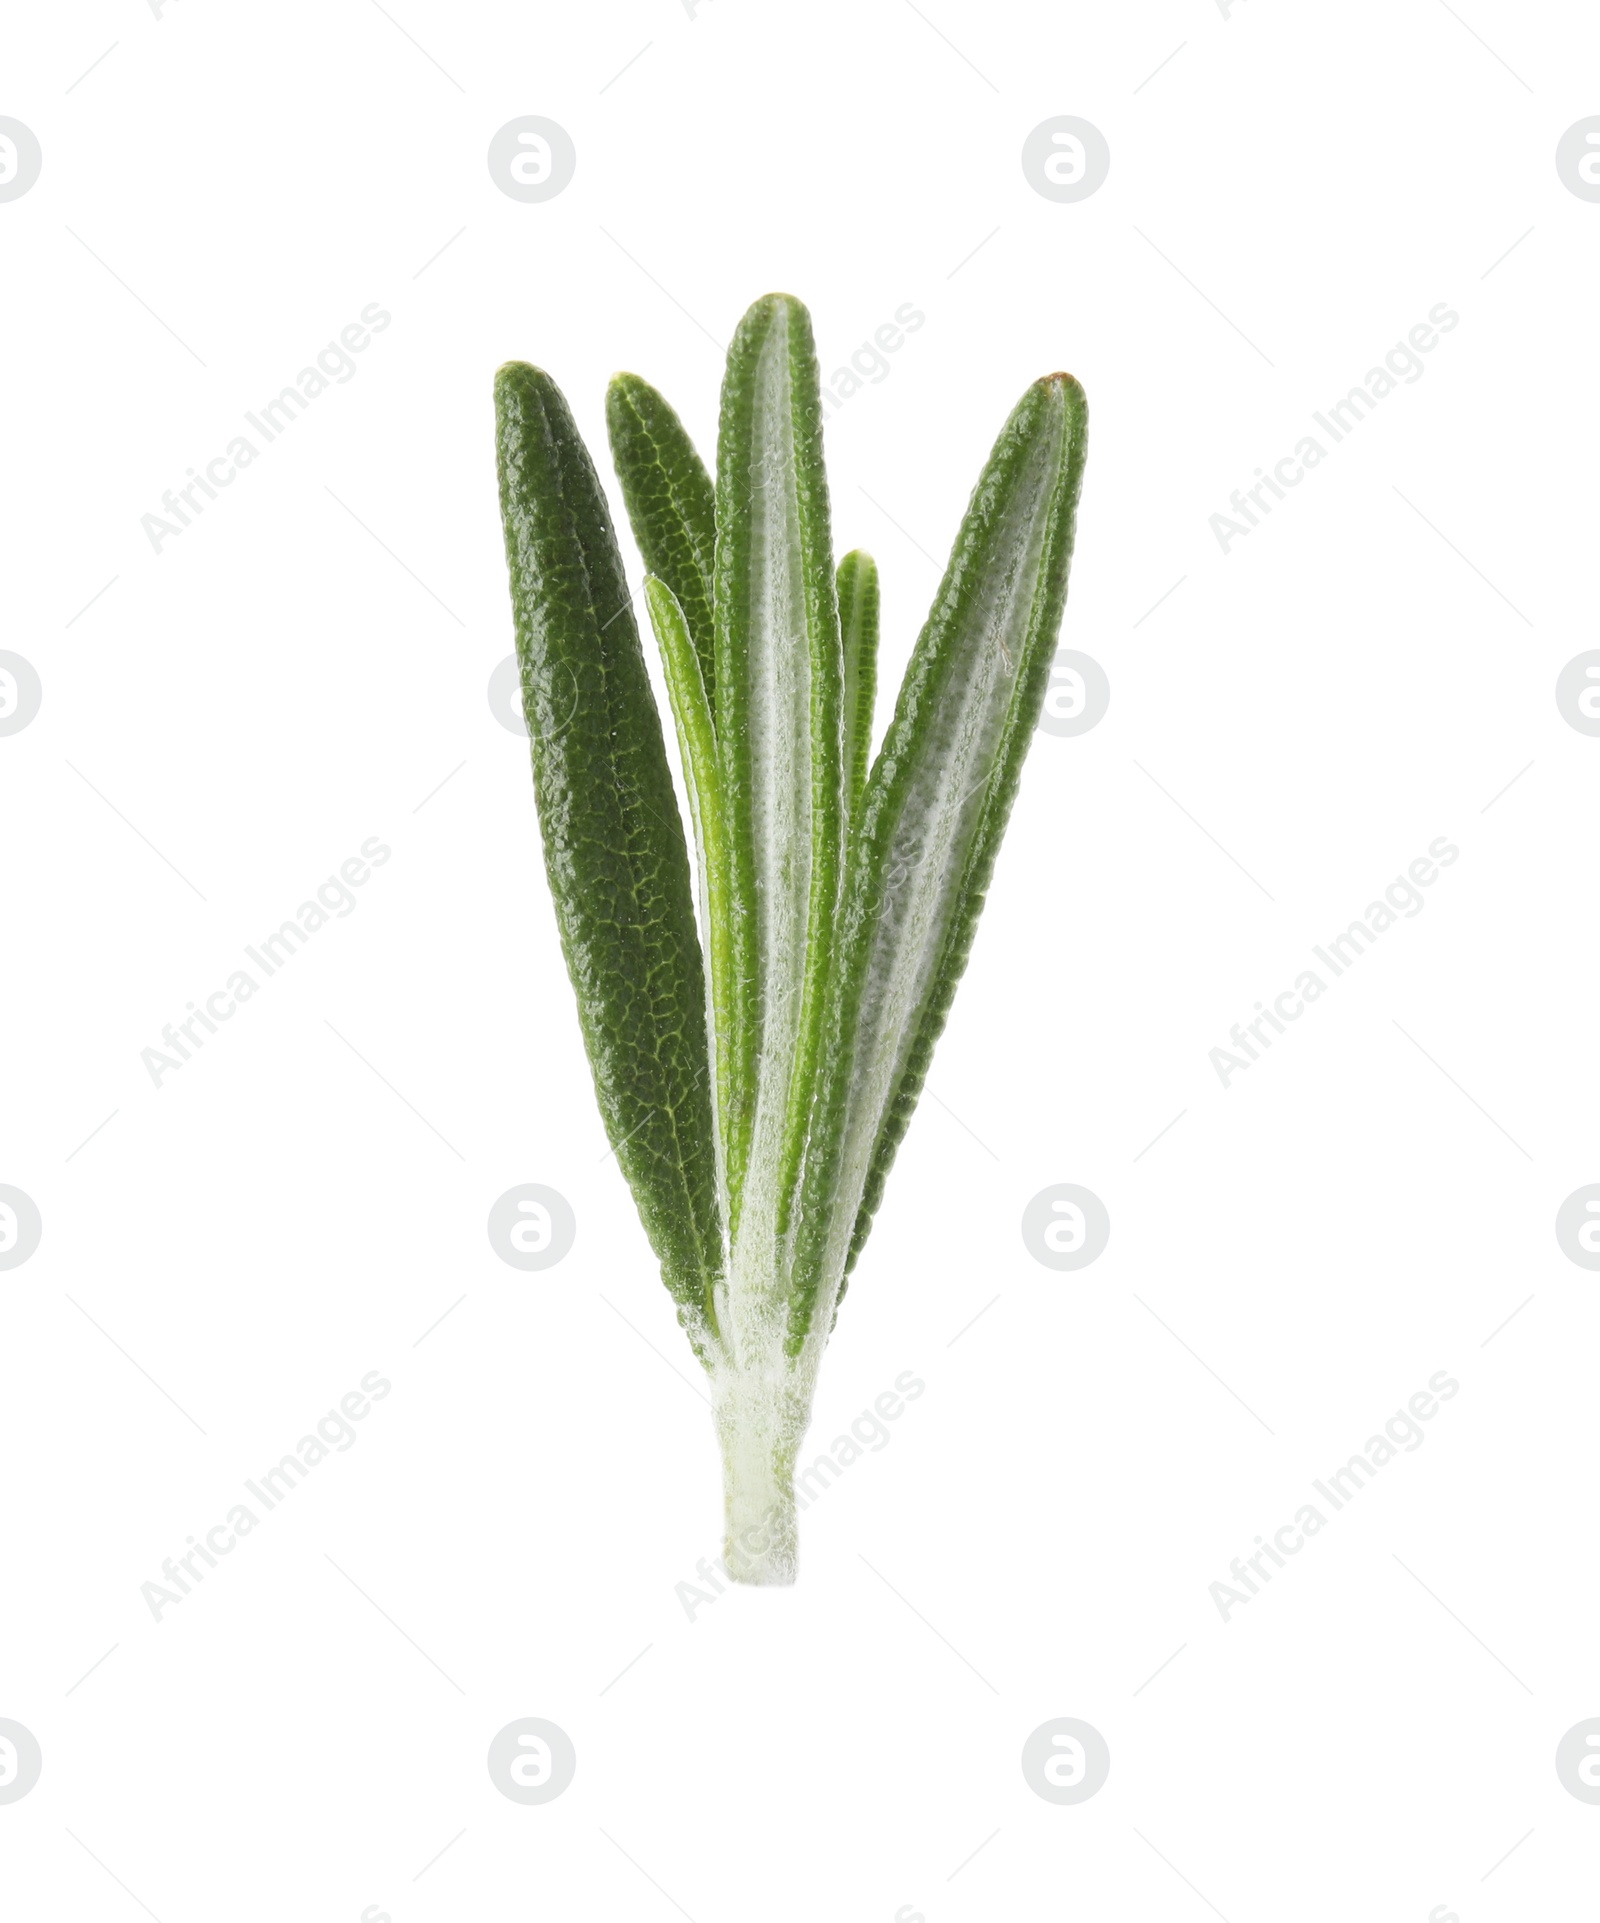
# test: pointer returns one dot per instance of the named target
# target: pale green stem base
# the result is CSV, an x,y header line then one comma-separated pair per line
x,y
761,1420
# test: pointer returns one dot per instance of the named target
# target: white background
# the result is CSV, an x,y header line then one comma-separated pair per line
x,y
1293,724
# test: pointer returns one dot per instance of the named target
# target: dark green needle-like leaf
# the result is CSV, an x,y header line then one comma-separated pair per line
x,y
614,848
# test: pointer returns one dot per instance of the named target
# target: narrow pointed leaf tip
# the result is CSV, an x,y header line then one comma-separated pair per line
x,y
614,849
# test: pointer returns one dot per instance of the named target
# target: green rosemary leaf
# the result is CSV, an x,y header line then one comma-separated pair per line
x,y
858,628
697,745
934,810
779,678
613,843
671,503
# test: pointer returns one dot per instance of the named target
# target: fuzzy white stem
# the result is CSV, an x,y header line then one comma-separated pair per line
x,y
761,1419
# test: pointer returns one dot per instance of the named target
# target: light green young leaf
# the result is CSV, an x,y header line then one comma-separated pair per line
x,y
697,746
858,629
